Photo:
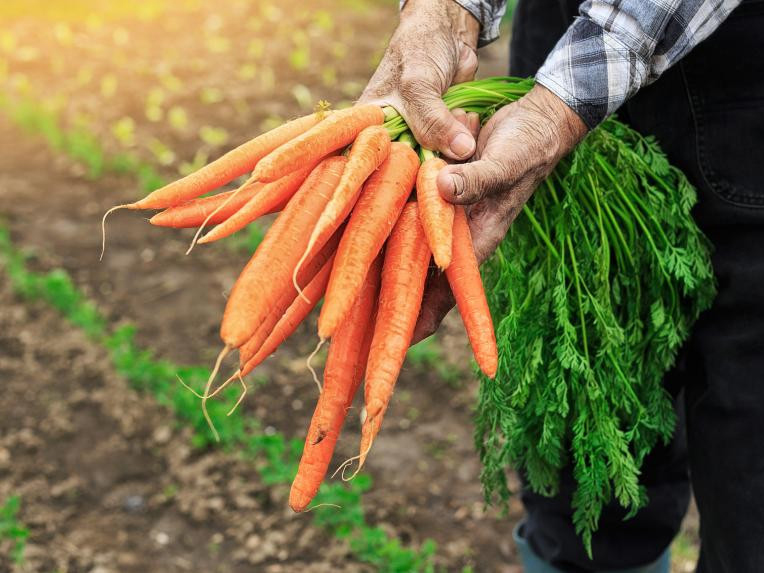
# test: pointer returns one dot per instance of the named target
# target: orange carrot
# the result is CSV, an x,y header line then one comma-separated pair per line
x,y
290,320
268,272
269,197
404,272
345,367
464,277
371,148
225,169
194,212
337,131
378,207
286,299
437,214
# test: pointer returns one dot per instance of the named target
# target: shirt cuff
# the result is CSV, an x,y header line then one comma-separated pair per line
x,y
592,71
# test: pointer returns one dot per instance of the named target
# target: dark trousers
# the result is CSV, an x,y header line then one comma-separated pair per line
x,y
708,114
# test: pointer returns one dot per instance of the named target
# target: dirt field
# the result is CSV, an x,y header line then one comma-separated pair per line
x,y
108,480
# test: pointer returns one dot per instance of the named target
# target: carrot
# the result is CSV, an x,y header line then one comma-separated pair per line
x,y
225,169
345,367
437,214
289,321
194,212
286,299
371,148
269,197
268,272
464,277
404,272
337,131
378,207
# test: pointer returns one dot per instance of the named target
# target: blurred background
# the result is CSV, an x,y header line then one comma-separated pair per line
x,y
106,464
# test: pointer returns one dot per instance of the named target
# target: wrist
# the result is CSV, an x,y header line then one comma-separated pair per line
x,y
459,21
562,127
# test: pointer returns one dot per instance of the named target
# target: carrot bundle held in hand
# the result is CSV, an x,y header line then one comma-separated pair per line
x,y
345,367
407,259
337,131
381,201
464,278
437,214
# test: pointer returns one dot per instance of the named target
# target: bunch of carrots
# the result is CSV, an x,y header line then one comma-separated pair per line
x,y
360,219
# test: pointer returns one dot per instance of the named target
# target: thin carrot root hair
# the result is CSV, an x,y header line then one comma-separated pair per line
x,y
223,353
297,268
310,366
348,462
210,216
103,225
325,504
187,387
241,396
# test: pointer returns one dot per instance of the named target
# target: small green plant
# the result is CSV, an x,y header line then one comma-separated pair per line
x,y
12,530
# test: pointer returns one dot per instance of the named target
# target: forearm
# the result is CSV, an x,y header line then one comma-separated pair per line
x,y
616,47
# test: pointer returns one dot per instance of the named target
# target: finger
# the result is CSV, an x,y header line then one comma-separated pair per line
x,y
437,301
473,124
468,64
431,121
468,183
460,115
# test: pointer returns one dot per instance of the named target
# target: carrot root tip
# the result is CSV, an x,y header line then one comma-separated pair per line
x,y
223,353
103,225
310,366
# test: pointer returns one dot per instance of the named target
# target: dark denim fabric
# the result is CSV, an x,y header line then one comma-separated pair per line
x,y
708,114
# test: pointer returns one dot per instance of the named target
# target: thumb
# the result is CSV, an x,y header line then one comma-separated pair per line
x,y
468,183
434,126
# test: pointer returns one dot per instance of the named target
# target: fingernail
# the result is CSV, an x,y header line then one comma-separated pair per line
x,y
462,145
447,184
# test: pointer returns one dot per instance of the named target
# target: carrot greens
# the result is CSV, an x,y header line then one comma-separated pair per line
x,y
593,291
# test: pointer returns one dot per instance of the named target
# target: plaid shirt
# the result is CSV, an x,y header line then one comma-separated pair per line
x,y
614,47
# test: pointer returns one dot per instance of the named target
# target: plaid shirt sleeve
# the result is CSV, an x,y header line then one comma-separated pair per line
x,y
617,46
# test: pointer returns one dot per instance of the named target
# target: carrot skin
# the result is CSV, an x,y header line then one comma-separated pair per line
x,y
269,272
268,198
407,258
345,367
380,204
371,148
437,214
225,169
193,213
290,320
287,298
464,277
335,132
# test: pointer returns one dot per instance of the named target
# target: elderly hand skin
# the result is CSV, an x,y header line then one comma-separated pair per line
x,y
434,47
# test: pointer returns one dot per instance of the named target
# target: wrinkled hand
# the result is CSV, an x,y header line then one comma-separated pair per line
x,y
516,149
434,47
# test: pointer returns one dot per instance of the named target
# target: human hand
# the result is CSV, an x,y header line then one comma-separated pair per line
x,y
516,149
434,47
